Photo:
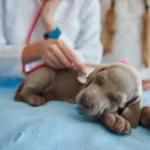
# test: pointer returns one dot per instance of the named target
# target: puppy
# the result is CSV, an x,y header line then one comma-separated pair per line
x,y
145,116
112,93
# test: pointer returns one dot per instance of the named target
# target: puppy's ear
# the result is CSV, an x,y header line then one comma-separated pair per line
x,y
132,111
92,74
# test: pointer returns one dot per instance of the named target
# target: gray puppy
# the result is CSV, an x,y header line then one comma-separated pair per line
x,y
112,93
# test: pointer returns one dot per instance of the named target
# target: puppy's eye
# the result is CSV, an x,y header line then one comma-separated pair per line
x,y
115,98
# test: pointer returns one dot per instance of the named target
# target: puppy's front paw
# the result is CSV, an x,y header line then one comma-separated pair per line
x,y
116,124
36,100
145,116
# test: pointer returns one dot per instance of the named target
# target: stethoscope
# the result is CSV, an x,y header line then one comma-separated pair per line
x,y
31,32
35,22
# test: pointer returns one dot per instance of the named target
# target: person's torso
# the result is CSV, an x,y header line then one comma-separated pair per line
x,y
19,16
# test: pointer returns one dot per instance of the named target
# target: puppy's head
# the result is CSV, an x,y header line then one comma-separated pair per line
x,y
112,89
99,94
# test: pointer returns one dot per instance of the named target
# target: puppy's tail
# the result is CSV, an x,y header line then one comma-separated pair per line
x,y
17,96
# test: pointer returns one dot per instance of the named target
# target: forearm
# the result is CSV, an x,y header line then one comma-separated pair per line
x,y
32,52
50,25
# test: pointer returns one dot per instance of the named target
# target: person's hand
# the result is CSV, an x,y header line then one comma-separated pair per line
x,y
146,85
55,53
48,13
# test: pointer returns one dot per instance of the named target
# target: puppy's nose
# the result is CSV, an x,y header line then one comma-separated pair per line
x,y
85,102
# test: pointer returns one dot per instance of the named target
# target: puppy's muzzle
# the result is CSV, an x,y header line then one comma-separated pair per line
x,y
85,102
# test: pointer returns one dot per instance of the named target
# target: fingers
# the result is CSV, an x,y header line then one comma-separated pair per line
x,y
56,58
52,61
61,57
71,56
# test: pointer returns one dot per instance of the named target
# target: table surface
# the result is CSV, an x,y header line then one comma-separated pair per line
x,y
59,126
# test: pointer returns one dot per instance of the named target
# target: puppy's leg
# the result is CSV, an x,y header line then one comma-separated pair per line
x,y
17,96
30,96
116,123
145,116
34,85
